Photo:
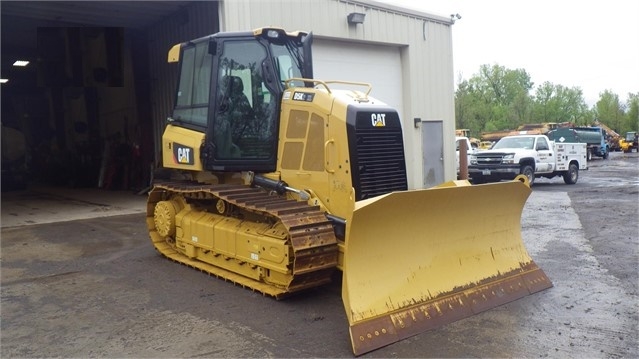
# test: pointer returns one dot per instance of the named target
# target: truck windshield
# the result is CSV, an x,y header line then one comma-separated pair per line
x,y
515,142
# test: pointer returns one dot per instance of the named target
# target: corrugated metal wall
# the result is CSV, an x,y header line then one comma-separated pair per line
x,y
197,20
426,55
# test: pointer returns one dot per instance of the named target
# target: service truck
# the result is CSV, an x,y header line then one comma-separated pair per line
x,y
531,155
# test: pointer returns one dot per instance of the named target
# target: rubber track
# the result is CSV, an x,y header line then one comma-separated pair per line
x,y
310,234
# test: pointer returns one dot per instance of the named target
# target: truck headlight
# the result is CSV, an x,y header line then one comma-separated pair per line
x,y
508,159
473,159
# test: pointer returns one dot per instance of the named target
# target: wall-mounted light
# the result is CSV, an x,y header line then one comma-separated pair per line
x,y
4,81
454,17
355,18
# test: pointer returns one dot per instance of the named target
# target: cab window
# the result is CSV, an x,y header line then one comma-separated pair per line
x,y
542,144
194,83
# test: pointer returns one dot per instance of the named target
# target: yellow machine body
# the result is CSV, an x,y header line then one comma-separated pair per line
x,y
412,260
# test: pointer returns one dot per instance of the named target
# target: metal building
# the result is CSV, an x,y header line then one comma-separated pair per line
x,y
93,101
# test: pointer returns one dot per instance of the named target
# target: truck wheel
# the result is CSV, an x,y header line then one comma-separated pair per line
x,y
571,176
605,156
529,172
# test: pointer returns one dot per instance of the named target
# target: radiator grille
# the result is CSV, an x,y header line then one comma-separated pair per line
x,y
489,158
379,163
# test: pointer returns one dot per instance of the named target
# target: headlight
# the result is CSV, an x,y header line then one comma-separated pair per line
x,y
473,159
508,159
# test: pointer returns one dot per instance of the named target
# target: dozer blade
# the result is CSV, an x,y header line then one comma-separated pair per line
x,y
417,260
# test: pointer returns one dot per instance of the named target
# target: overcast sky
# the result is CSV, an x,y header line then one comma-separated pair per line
x,y
593,45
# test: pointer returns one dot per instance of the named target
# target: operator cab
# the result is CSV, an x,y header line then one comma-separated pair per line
x,y
230,87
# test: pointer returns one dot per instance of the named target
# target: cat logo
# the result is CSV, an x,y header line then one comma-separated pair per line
x,y
182,154
378,119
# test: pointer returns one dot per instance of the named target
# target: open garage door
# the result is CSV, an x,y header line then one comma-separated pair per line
x,y
83,112
378,65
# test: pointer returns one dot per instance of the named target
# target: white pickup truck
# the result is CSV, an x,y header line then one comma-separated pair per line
x,y
470,149
530,155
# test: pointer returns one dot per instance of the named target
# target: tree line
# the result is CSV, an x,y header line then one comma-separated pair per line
x,y
498,98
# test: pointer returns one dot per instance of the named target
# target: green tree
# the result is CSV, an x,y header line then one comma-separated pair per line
x,y
557,103
610,110
495,97
545,107
631,122
521,108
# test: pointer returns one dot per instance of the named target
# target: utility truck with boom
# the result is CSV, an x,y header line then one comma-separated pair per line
x,y
277,180
530,155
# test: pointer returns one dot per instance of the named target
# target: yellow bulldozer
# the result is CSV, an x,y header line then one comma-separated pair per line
x,y
279,180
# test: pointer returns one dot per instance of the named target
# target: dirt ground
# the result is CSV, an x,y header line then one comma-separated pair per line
x,y
97,288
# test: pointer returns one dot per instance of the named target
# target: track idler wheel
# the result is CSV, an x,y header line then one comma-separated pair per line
x,y
164,216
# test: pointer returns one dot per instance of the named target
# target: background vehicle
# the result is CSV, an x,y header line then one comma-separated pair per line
x,y
526,129
530,155
629,142
279,179
486,145
612,137
470,149
466,133
593,137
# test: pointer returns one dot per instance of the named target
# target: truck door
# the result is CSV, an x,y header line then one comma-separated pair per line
x,y
545,156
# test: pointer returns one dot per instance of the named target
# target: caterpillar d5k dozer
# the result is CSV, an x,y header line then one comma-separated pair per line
x,y
278,179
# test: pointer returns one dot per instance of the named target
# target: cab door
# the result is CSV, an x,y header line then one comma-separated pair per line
x,y
545,156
